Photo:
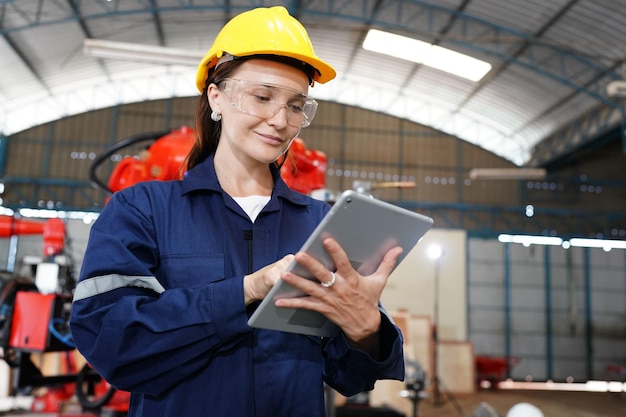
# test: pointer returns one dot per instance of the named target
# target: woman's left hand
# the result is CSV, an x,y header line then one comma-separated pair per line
x,y
351,302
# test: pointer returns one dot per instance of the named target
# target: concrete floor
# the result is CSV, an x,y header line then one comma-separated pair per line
x,y
551,403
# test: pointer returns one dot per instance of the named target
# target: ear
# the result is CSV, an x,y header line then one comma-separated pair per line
x,y
214,95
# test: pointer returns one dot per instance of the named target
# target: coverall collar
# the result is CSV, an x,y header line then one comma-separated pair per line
x,y
203,177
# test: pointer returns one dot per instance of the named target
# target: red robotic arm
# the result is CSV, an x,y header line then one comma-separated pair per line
x,y
304,170
53,231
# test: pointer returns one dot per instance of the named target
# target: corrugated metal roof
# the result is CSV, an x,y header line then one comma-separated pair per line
x,y
552,60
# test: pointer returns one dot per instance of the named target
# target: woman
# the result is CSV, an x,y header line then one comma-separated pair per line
x,y
174,269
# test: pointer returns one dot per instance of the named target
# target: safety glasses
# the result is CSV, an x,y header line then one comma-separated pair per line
x,y
265,100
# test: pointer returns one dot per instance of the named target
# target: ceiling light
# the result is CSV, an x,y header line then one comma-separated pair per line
x,y
140,53
616,89
528,240
607,245
507,173
424,53
434,252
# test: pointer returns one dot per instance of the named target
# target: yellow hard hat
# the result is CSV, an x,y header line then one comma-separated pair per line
x,y
264,31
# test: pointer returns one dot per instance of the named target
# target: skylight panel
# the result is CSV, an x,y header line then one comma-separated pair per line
x,y
434,56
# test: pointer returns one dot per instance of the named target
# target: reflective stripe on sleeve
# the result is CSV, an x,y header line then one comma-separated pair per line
x,y
105,283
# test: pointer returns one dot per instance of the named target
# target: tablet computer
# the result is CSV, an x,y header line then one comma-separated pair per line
x,y
366,228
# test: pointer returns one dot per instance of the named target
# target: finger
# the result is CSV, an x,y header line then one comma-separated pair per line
x,y
285,261
331,281
334,248
389,261
309,287
315,267
280,266
340,257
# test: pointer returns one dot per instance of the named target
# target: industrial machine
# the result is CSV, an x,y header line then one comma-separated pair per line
x,y
164,159
34,315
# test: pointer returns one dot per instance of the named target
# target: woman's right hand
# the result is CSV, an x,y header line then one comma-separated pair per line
x,y
259,283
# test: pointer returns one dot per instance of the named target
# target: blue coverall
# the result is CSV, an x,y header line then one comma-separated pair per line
x,y
159,307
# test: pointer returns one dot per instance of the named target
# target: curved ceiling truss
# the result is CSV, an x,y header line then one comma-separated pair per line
x,y
551,63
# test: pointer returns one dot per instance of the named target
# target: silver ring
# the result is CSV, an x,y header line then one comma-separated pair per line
x,y
331,282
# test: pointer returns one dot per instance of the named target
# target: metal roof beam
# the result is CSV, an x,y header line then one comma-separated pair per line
x,y
579,133
566,99
157,22
77,17
362,13
524,56
368,24
517,53
18,51
75,8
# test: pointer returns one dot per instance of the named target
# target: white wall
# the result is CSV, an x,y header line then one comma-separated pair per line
x,y
412,285
560,311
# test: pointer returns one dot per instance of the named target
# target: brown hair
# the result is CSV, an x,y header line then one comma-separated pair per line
x,y
208,131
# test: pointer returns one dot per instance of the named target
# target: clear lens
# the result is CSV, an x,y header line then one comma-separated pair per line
x,y
266,100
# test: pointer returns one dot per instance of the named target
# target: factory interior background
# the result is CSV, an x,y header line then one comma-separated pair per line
x,y
522,172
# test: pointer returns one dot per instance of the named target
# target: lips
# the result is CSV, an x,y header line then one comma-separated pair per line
x,y
271,139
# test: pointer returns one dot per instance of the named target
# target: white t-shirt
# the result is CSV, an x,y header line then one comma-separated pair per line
x,y
252,204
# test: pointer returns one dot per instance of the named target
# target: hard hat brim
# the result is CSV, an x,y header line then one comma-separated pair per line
x,y
324,72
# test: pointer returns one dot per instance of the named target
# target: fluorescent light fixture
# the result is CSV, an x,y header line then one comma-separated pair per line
x,y
528,240
140,53
607,245
427,54
86,216
507,174
588,386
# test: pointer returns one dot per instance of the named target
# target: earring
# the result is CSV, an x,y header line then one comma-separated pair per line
x,y
215,116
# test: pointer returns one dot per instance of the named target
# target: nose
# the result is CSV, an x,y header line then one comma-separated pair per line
x,y
279,118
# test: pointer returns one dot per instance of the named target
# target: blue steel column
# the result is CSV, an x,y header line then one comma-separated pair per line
x,y
507,305
38,195
548,312
624,129
10,266
460,181
588,314
167,113
468,279
115,118
4,142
